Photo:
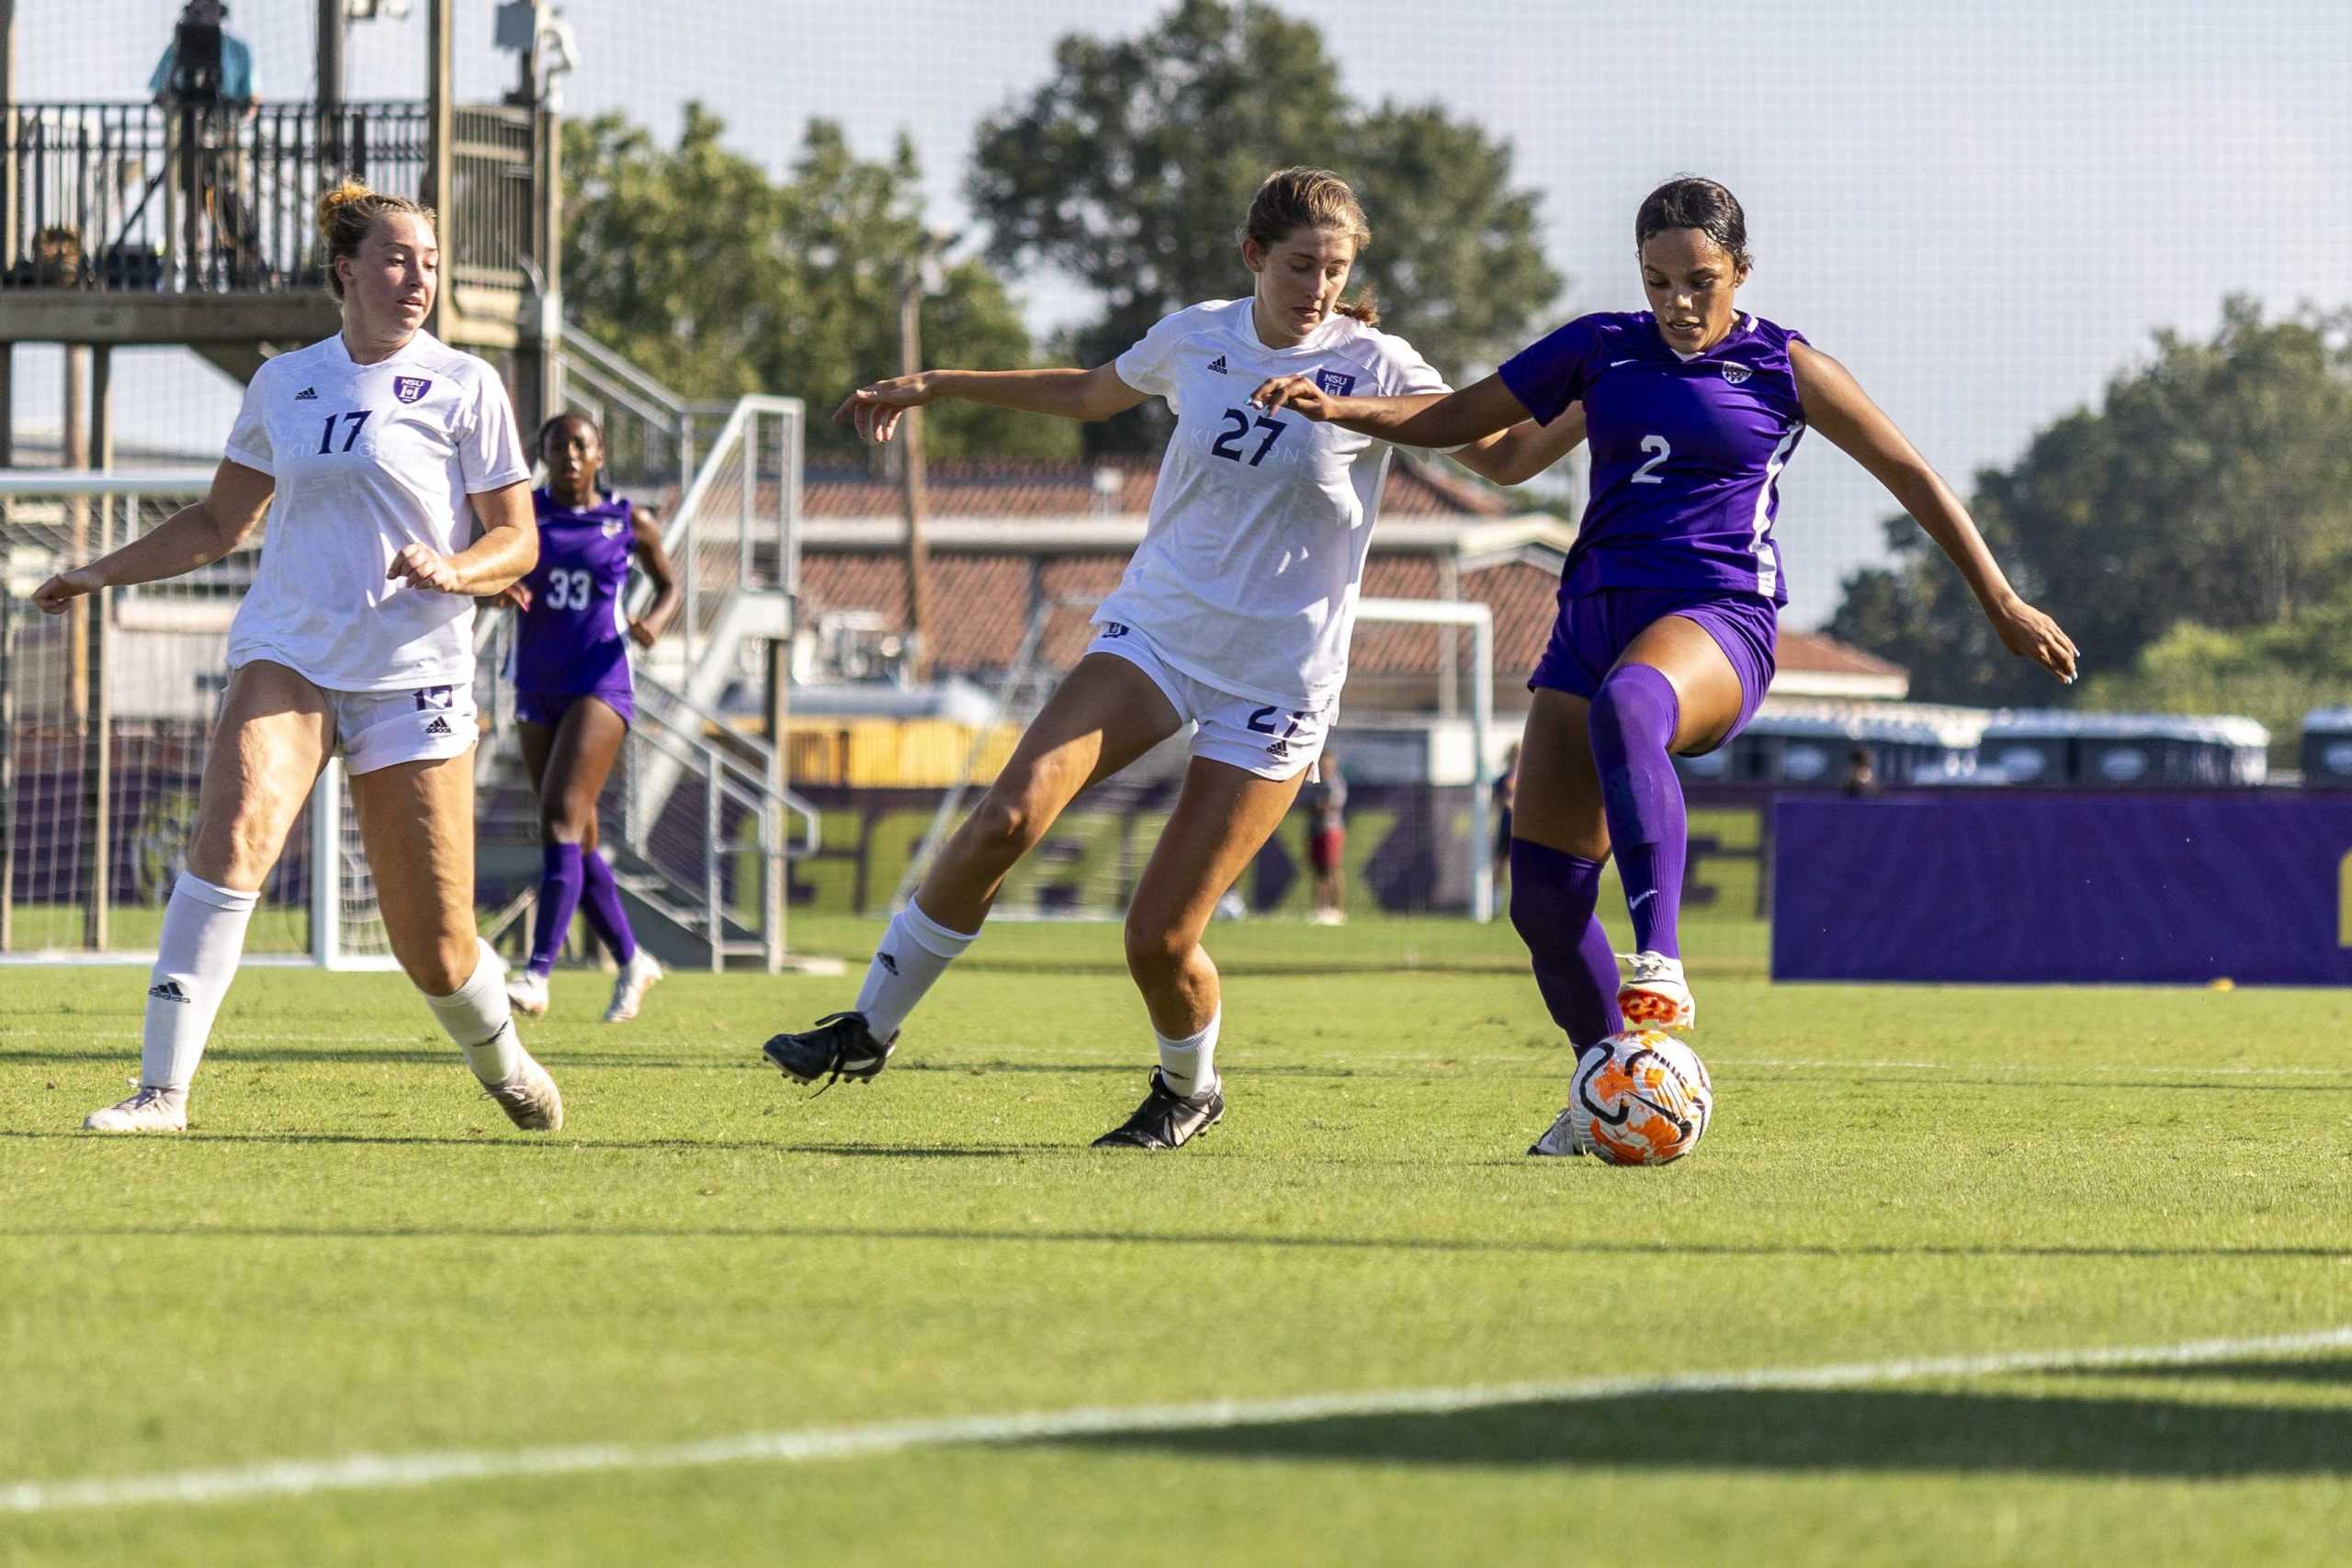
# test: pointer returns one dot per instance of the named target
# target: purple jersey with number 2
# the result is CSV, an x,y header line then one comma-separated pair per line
x,y
1687,454
571,640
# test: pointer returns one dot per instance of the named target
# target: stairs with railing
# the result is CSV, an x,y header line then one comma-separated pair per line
x,y
704,828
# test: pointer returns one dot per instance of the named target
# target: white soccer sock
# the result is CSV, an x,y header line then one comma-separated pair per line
x,y
196,958
1189,1066
478,1017
915,952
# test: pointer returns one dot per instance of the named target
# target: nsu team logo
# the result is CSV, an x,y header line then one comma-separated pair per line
x,y
408,388
1735,374
1338,383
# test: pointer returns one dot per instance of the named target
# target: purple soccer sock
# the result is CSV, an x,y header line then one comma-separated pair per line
x,y
1551,899
1632,726
600,900
558,898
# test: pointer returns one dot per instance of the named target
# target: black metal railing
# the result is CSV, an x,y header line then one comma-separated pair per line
x,y
153,198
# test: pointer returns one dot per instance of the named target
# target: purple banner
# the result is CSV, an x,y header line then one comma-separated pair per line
x,y
2018,888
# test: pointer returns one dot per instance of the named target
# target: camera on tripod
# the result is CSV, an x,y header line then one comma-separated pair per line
x,y
196,54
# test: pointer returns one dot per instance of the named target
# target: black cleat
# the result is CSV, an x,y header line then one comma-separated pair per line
x,y
1165,1120
840,1046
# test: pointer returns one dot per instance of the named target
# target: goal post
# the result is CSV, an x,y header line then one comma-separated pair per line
x,y
106,716
1481,621
1087,864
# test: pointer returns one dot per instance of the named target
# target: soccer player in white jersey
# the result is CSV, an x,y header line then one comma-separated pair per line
x,y
1234,616
385,452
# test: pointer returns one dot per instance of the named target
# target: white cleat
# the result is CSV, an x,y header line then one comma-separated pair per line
x,y
527,993
638,975
1559,1139
530,1099
151,1110
1655,995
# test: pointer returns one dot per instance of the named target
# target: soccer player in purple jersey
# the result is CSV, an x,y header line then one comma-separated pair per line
x,y
1669,600
573,697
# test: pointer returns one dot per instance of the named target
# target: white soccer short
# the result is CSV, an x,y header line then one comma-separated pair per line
x,y
383,729
1270,741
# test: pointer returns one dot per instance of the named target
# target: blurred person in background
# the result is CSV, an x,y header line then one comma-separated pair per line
x,y
1506,792
1326,800
575,697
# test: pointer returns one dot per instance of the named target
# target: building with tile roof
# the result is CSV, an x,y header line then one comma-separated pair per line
x,y
1006,539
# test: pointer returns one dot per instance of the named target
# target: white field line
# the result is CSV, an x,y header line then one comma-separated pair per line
x,y
358,1473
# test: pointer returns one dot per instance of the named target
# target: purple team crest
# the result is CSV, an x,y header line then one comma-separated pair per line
x,y
1735,374
1338,383
408,388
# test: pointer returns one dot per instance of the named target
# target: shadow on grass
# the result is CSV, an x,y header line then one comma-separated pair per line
x,y
971,1234
2283,1370
1782,1430
495,1136
1545,1063
1511,965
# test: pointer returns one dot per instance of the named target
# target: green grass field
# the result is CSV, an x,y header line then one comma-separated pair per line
x,y
352,1253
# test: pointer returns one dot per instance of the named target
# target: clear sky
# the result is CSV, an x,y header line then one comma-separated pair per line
x,y
1983,207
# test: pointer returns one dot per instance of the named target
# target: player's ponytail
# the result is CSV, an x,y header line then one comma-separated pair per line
x,y
348,211
1295,198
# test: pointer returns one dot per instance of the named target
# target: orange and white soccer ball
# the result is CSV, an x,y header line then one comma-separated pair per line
x,y
1640,1098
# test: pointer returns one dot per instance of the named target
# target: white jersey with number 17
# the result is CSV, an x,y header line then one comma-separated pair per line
x,y
368,459
1247,577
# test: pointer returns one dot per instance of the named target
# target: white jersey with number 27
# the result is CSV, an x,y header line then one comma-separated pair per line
x,y
1247,577
368,459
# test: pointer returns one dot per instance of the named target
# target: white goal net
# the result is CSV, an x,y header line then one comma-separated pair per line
x,y
1420,791
106,713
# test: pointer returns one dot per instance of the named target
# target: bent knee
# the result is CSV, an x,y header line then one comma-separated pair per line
x,y
1004,821
443,969
1154,949
567,827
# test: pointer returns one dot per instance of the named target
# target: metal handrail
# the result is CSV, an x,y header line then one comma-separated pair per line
x,y
577,341
760,753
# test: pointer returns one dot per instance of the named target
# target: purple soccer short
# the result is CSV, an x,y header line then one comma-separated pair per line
x,y
1594,630
549,707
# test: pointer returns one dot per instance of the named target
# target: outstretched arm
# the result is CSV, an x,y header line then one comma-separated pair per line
x,y
192,536
1835,405
1456,419
1526,449
1067,394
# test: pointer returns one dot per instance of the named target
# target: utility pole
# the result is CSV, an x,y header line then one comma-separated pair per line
x,y
8,235
911,462
440,100
330,26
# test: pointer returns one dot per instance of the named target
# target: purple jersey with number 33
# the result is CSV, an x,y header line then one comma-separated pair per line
x,y
572,638
1687,454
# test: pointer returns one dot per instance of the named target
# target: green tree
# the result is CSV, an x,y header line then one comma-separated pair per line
x,y
2214,484
721,280
1131,167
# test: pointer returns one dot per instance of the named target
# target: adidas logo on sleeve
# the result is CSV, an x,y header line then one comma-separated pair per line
x,y
1217,365
439,726
307,395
